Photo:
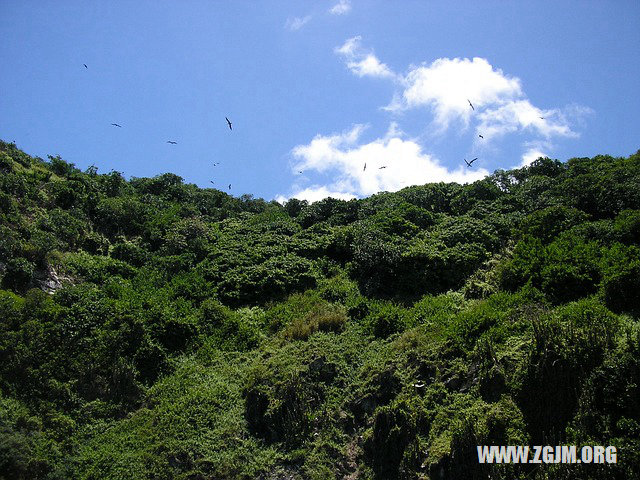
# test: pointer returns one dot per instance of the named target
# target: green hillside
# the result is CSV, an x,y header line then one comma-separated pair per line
x,y
151,329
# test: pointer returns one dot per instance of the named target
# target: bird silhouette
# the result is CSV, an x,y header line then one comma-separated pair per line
x,y
116,125
300,172
380,168
365,167
212,182
171,142
229,122
541,118
85,65
470,104
480,136
469,163
229,186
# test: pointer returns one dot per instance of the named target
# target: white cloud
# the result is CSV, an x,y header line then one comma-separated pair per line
x,y
448,85
344,157
296,23
349,47
522,115
362,62
315,193
530,155
445,87
534,150
370,66
500,106
341,8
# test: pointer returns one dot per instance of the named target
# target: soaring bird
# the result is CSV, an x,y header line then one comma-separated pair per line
x,y
470,104
229,186
380,168
116,125
480,136
171,142
212,182
85,65
365,167
541,118
469,163
229,122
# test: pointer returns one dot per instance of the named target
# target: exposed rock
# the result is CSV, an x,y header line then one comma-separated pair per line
x,y
49,281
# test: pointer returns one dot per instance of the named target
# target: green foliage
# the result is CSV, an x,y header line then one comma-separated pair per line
x,y
547,223
385,319
627,226
18,273
324,318
621,278
185,333
96,268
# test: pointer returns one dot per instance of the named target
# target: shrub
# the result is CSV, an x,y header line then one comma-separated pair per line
x,y
385,319
18,273
621,279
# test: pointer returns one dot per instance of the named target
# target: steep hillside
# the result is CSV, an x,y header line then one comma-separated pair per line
x,y
153,329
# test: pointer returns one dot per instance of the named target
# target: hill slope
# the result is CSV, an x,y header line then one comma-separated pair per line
x,y
153,329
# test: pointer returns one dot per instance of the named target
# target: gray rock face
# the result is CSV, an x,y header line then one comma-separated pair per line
x,y
48,280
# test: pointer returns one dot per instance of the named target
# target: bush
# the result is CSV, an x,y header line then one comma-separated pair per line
x,y
385,319
621,279
549,222
18,273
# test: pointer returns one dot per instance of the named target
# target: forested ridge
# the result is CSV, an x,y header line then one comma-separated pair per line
x,y
154,329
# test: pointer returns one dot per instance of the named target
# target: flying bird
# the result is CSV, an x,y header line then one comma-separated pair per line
x,y
469,163
471,104
116,125
300,172
229,186
85,65
480,136
229,122
380,168
541,118
212,182
365,167
171,142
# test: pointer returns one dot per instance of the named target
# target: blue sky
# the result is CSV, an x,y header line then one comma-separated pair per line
x,y
321,88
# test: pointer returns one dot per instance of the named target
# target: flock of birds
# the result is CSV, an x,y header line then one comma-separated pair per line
x,y
468,162
172,142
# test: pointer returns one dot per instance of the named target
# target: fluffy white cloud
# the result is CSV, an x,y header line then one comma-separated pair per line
x,y
363,62
448,85
344,157
534,150
341,8
532,153
296,23
522,115
314,194
349,47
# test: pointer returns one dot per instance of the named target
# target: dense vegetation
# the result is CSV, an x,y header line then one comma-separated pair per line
x,y
153,329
